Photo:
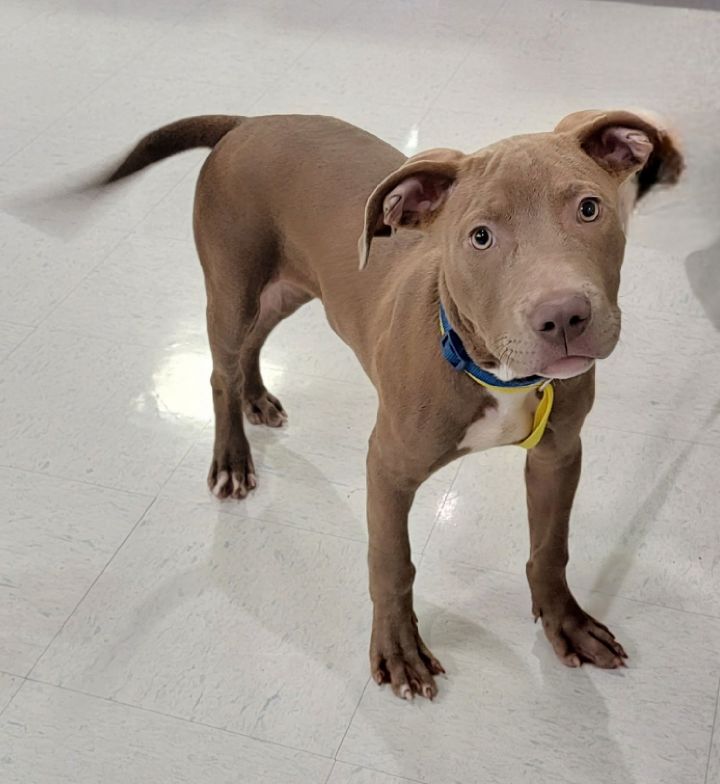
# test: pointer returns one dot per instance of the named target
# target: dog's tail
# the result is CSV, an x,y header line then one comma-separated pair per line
x,y
65,209
201,131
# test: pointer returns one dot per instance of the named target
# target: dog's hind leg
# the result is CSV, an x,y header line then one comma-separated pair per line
x,y
240,252
235,276
278,300
229,321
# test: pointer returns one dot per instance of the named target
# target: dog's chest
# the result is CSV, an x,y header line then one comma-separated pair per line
x,y
509,422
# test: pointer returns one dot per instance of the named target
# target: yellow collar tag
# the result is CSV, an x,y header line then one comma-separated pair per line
x,y
540,419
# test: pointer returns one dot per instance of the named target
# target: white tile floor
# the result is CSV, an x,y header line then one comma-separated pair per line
x,y
151,634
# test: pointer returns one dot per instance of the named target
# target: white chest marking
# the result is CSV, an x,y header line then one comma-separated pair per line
x,y
508,423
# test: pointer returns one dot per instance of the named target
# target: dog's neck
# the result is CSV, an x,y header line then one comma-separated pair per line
x,y
474,345
454,352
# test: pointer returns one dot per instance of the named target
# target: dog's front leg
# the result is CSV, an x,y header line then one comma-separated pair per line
x,y
552,472
397,654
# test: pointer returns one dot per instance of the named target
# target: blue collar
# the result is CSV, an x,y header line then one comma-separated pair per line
x,y
454,351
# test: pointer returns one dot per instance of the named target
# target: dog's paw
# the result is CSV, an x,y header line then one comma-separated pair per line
x,y
232,478
265,410
577,639
399,657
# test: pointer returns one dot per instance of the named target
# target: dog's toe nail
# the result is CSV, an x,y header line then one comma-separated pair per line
x,y
222,480
406,692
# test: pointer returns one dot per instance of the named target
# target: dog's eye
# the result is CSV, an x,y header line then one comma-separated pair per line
x,y
481,238
589,210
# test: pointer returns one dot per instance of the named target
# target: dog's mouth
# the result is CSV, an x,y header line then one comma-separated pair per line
x,y
520,357
560,362
567,367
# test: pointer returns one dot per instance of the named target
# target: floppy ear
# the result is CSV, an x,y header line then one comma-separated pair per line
x,y
626,143
410,197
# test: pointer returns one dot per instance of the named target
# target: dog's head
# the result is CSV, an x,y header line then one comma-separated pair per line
x,y
530,233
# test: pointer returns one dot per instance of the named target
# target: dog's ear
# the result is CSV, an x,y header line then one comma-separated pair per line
x,y
626,143
410,197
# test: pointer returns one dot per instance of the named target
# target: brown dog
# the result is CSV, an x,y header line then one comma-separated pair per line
x,y
521,244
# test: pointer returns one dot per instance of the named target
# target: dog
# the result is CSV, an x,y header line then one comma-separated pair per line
x,y
480,293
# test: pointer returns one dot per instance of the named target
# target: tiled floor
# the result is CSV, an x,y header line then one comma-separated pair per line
x,y
151,634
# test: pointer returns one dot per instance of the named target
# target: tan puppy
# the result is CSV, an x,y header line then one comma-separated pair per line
x,y
521,244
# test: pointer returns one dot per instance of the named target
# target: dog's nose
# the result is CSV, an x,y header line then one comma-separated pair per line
x,y
561,319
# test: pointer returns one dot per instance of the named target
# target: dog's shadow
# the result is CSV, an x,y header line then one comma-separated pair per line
x,y
561,708
574,693
618,563
703,272
267,591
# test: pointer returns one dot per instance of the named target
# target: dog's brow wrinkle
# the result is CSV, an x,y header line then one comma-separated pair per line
x,y
568,190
